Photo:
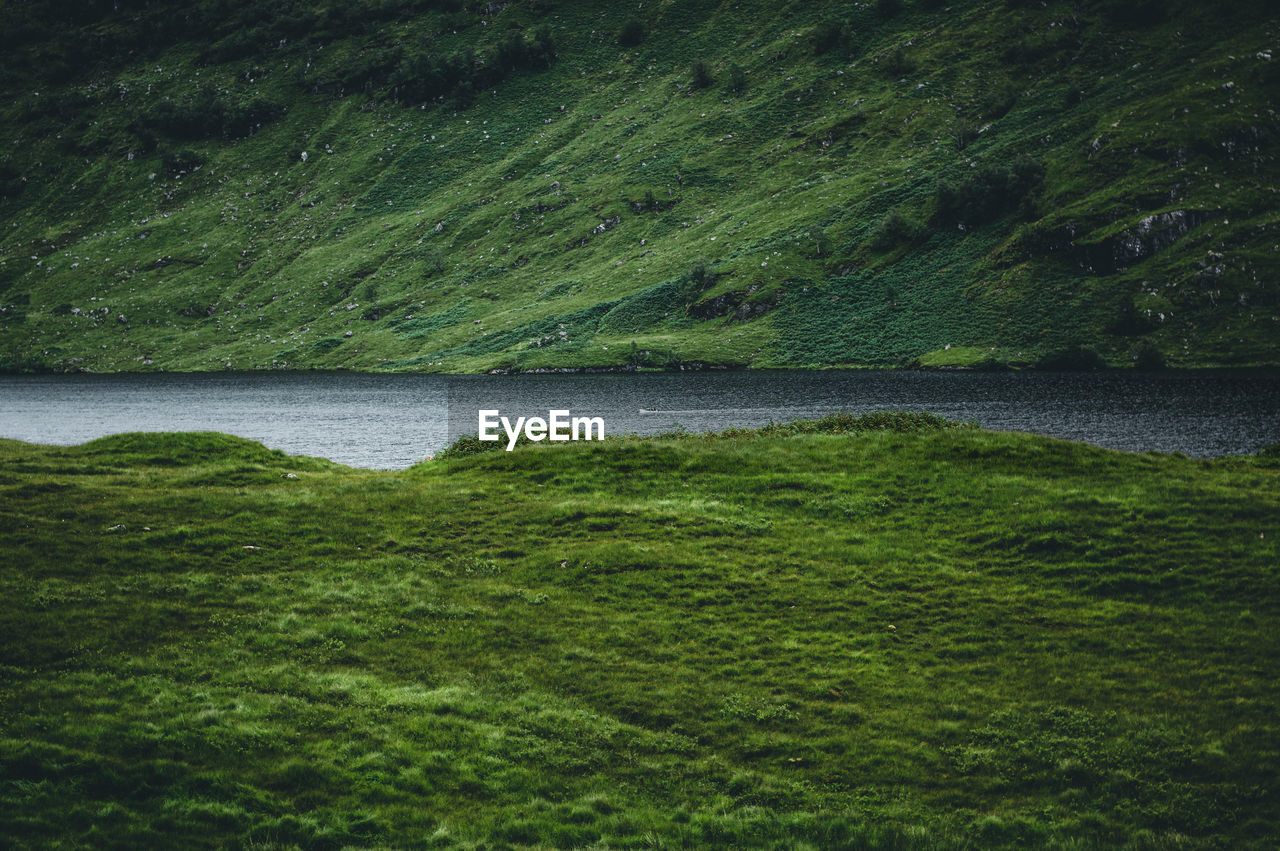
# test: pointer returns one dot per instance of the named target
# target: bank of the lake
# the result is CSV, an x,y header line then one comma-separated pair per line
x,y
938,638
394,421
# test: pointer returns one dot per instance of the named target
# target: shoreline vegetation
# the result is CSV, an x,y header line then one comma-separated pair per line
x,y
888,631
695,366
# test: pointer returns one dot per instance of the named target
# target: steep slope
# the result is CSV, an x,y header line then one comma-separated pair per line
x,y
462,187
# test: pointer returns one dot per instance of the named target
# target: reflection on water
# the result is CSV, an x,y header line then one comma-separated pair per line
x,y
392,421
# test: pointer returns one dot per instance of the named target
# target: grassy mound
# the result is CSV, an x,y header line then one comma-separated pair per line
x,y
940,637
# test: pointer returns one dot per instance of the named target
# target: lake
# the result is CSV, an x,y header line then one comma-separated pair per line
x,y
392,421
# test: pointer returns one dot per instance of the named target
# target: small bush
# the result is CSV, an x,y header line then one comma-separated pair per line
x,y
432,261
471,444
898,63
179,162
1071,359
830,36
998,100
737,79
700,74
1148,358
963,133
1028,51
894,230
989,194
700,272
632,33
207,115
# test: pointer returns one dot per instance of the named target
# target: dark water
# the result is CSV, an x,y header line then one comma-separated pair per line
x,y
392,421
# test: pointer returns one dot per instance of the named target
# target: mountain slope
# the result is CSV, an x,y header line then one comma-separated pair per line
x,y
462,187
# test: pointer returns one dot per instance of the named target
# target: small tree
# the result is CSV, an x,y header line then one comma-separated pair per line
x,y
432,261
821,242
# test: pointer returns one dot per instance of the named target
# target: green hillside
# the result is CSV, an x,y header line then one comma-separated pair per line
x,y
464,186
939,638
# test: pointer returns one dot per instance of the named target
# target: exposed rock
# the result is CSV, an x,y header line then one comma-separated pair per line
x,y
736,305
607,224
1151,235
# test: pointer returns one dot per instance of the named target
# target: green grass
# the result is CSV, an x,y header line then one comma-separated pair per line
x,y
932,637
464,233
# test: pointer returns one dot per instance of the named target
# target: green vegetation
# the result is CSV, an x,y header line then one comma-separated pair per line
x,y
880,632
286,185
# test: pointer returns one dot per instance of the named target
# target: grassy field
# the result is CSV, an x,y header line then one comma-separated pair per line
x,y
458,187
932,638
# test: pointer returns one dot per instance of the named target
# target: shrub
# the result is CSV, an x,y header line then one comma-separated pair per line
x,y
998,100
432,261
1149,358
830,36
179,162
896,229
632,33
206,115
1029,50
471,444
963,133
700,272
898,63
737,79
990,193
700,74
1071,359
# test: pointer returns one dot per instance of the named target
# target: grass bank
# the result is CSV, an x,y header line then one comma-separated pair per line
x,y
934,638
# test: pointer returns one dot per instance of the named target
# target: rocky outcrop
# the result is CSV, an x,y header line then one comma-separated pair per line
x,y
738,305
1151,235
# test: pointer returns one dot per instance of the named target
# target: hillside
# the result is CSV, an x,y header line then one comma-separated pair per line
x,y
463,186
945,638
